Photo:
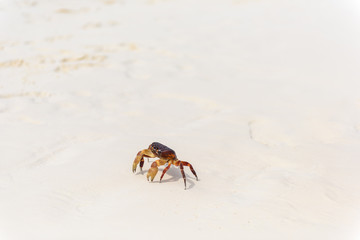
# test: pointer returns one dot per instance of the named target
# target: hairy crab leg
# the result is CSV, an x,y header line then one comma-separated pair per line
x,y
140,158
154,169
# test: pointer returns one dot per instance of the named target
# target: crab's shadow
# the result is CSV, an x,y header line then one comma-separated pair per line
x,y
175,175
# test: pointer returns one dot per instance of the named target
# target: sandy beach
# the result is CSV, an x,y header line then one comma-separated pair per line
x,y
262,97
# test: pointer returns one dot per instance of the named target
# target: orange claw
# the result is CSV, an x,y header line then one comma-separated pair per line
x,y
140,158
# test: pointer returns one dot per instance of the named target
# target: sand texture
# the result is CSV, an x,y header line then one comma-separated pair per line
x,y
262,97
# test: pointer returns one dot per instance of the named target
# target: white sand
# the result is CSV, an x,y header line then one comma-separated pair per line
x,y
262,97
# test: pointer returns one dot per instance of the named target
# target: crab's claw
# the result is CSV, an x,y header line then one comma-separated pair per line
x,y
139,158
154,169
152,172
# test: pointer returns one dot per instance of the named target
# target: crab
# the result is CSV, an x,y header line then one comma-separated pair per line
x,y
166,155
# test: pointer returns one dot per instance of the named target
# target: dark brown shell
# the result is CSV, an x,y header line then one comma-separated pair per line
x,y
162,151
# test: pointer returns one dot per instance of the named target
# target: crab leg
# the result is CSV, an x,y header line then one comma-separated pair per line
x,y
154,169
182,164
183,173
191,168
164,171
140,158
